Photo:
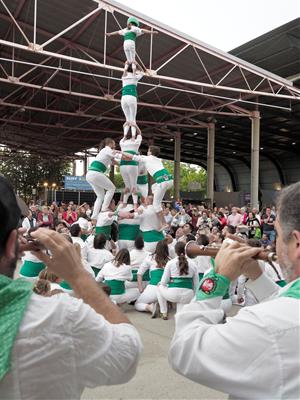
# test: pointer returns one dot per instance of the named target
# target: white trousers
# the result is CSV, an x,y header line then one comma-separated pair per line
x,y
130,295
180,296
150,246
126,244
129,174
159,191
148,296
143,189
129,107
100,183
129,50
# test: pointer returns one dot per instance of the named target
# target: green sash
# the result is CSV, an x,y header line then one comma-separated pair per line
x,y
293,290
200,274
65,285
14,298
84,237
96,270
128,232
129,90
106,230
226,295
97,166
146,276
131,162
281,283
181,282
162,176
130,36
31,269
142,180
134,275
117,287
152,236
155,276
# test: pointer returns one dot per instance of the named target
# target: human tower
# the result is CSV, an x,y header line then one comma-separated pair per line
x,y
134,167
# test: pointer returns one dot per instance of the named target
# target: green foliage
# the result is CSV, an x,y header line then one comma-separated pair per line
x,y
26,171
190,176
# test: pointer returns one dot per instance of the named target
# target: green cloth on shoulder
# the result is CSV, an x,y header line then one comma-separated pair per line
x,y
293,290
14,298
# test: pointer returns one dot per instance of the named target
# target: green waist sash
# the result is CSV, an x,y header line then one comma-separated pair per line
x,y
152,236
146,276
129,90
162,176
155,276
84,237
106,230
117,287
131,162
97,166
213,263
180,282
128,232
130,36
293,290
142,180
65,285
134,275
31,269
281,283
96,270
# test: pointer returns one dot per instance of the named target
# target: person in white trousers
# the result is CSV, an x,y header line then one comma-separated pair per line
x,y
137,256
130,33
129,99
179,281
142,180
114,274
129,228
163,179
155,263
101,184
129,169
256,353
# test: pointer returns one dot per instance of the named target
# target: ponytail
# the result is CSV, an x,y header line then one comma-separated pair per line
x,y
183,262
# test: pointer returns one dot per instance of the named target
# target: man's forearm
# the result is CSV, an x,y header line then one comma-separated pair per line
x,y
86,288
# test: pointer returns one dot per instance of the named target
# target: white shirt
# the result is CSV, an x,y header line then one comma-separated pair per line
x,y
26,223
202,263
111,272
63,346
98,257
104,219
131,144
152,164
137,257
172,271
142,168
133,28
254,355
149,219
148,264
83,247
131,79
106,155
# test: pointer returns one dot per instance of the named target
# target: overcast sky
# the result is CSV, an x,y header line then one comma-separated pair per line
x,y
224,24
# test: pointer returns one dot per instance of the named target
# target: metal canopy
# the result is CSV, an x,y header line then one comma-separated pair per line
x,y
60,83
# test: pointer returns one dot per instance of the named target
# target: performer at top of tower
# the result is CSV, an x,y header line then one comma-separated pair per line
x,y
130,33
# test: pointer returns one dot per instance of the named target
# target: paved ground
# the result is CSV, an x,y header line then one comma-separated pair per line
x,y
154,379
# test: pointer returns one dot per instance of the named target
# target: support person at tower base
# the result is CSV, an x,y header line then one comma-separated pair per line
x,y
256,354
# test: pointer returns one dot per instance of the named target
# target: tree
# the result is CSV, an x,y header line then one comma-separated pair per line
x,y
28,171
189,176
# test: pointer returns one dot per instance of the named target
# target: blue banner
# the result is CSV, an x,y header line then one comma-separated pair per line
x,y
77,183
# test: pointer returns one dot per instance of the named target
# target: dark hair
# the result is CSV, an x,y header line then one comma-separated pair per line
x,y
106,142
190,237
190,225
183,262
122,257
75,230
155,150
42,287
129,68
114,231
99,241
231,229
161,254
203,240
253,243
139,243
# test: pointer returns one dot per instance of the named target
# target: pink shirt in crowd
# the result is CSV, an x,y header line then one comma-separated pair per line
x,y
234,220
